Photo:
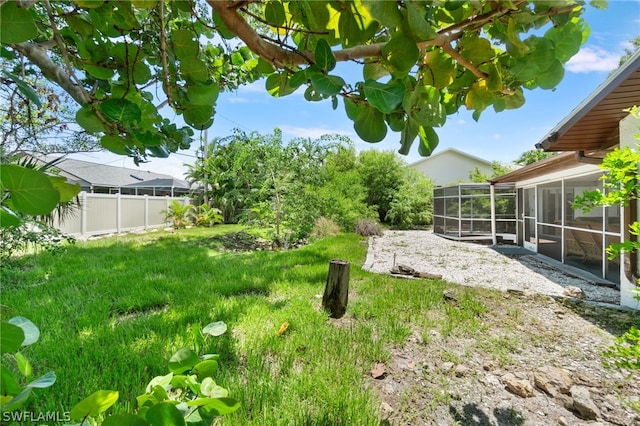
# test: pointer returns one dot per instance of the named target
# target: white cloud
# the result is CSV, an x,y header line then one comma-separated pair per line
x,y
239,100
592,59
496,136
461,122
312,132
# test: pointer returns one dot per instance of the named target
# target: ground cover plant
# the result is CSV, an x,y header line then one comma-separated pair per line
x,y
112,312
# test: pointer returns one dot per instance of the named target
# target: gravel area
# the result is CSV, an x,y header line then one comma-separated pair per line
x,y
478,265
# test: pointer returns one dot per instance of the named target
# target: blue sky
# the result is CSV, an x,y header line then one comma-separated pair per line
x,y
502,137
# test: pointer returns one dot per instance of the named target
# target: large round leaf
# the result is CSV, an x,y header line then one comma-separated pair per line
x,y
43,382
121,111
325,60
31,191
184,45
115,144
199,116
328,85
31,332
183,360
66,190
401,52
16,23
217,328
370,125
11,337
385,97
88,120
165,414
277,85
216,406
93,405
203,94
194,70
8,217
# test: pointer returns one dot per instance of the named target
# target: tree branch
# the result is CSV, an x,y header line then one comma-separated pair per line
x,y
51,70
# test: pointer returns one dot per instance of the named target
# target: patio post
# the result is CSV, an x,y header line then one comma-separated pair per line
x,y
492,196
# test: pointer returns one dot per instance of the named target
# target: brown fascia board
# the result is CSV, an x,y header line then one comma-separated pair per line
x,y
558,162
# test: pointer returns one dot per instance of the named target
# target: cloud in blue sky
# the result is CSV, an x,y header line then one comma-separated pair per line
x,y
591,59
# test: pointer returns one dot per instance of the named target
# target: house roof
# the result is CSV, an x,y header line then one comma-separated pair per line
x,y
96,174
563,161
593,125
451,151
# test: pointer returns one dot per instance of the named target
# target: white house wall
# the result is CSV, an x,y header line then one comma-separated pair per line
x,y
450,167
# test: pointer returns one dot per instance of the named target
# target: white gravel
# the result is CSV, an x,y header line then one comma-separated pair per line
x,y
478,265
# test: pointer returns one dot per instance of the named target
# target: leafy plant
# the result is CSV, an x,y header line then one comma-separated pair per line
x,y
16,383
205,215
412,204
30,234
182,54
626,352
178,213
187,395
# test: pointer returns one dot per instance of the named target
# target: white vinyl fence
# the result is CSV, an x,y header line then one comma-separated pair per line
x,y
115,213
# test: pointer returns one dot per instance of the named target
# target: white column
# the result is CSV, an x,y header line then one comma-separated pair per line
x,y
492,195
628,290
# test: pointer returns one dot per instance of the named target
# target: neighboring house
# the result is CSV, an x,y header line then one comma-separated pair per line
x,y
104,179
450,166
545,221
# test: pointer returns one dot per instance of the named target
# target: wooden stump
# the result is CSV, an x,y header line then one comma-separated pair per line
x,y
336,293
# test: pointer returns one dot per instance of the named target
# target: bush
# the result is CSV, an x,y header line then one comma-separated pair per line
x,y
368,228
324,228
31,234
412,204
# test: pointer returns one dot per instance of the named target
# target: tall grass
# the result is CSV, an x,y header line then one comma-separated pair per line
x,y
112,312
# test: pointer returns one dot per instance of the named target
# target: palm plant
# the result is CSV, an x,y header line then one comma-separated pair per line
x,y
178,214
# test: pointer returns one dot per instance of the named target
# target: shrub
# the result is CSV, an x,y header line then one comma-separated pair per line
x,y
412,204
324,228
31,234
368,228
178,214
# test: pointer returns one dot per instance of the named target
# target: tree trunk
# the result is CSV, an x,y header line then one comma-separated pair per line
x,y
336,293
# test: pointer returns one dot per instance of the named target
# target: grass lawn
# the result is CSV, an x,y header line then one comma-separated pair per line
x,y
112,312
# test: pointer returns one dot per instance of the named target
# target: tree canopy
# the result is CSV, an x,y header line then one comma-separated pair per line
x,y
131,65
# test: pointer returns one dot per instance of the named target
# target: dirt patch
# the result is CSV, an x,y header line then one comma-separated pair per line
x,y
237,241
494,378
538,360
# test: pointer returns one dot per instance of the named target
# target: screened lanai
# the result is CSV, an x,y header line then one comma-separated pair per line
x,y
548,224
464,211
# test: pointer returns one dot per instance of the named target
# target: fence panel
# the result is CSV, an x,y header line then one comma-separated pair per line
x,y
113,213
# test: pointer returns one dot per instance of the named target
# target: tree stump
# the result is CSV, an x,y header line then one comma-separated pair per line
x,y
336,293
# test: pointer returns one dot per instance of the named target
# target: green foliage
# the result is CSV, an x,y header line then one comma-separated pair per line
x,y
533,156
341,196
382,175
205,215
178,213
497,169
188,394
16,381
183,54
625,353
30,235
412,204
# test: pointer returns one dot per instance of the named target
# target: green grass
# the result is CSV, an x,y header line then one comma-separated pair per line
x,y
113,311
